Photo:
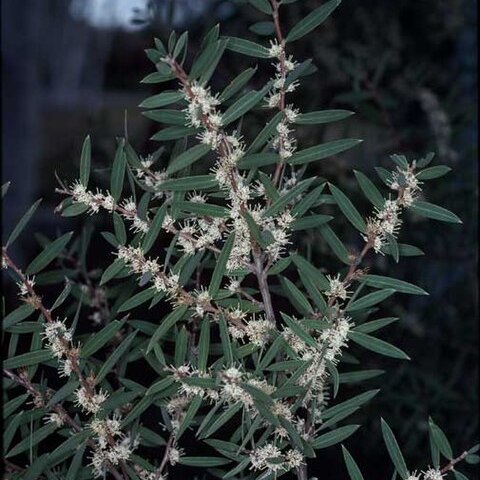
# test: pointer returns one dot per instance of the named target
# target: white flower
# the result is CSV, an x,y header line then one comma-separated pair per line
x,y
174,455
24,286
54,418
58,337
275,49
90,402
293,459
139,225
108,202
432,474
66,368
257,331
290,113
413,476
337,288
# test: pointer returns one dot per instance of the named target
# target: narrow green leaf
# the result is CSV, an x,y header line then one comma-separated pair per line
x,y
310,221
429,210
63,393
204,345
324,150
118,171
17,315
370,299
260,140
379,281
137,299
167,116
222,420
335,436
225,339
353,402
335,243
22,223
221,266
376,345
394,450
112,270
198,182
5,188
247,47
99,339
312,20
202,209
63,295
31,440
369,189
115,357
352,466
262,28
297,298
433,172
359,376
189,416
237,84
154,229
288,198
262,5
440,440
173,133
168,322
322,116
256,160
207,57
49,253
374,325
85,158
213,62
203,462
348,209
244,104
315,275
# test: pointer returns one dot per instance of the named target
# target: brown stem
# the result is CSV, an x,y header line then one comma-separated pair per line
x,y
164,461
261,275
453,462
302,472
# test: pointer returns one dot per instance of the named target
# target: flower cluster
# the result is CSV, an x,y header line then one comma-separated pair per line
x,y
406,183
337,288
335,338
95,202
270,458
199,233
386,221
202,108
111,446
331,341
136,261
257,331
24,287
284,141
432,474
151,178
88,400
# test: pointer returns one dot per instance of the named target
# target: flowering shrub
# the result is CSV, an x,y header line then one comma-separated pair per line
x,y
211,251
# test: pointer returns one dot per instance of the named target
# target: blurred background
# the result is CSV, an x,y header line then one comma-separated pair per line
x,y
407,68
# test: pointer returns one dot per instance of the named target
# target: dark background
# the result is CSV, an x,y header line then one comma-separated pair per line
x,y
408,69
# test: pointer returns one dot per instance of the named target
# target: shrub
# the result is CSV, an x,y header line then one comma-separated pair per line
x,y
210,324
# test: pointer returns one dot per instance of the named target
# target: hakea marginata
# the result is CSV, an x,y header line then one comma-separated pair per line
x,y
225,351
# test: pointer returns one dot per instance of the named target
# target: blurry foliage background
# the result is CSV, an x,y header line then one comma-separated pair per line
x,y
407,68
